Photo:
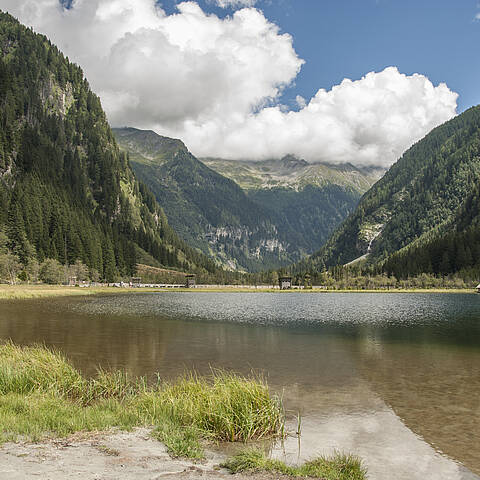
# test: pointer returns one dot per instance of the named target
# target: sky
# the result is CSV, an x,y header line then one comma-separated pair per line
x,y
354,81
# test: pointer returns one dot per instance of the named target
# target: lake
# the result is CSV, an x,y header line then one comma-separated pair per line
x,y
394,378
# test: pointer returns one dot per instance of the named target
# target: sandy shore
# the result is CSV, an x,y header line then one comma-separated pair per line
x,y
107,456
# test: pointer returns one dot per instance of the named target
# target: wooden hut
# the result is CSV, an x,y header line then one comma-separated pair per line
x,y
285,283
135,282
190,281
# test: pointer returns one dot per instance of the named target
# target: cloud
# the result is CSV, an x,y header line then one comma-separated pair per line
x,y
235,3
216,83
369,121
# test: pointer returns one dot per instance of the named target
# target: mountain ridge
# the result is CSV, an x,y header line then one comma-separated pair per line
x,y
296,173
417,201
241,228
208,210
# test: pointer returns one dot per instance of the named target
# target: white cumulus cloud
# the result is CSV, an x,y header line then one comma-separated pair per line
x,y
369,121
235,3
216,83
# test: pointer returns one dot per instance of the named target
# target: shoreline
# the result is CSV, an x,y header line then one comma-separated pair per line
x,y
164,428
19,292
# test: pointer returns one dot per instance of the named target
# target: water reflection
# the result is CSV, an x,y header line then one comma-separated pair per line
x,y
360,368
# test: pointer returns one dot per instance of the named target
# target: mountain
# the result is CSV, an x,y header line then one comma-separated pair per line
x,y
310,199
208,210
67,193
423,212
293,173
241,227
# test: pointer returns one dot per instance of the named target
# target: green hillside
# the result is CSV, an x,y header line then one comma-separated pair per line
x,y
207,210
244,228
454,248
425,205
66,191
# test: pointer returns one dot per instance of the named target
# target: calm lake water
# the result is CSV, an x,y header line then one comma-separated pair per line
x,y
394,378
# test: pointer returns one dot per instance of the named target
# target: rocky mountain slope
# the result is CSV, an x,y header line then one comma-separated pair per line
x,y
293,173
208,210
231,216
312,199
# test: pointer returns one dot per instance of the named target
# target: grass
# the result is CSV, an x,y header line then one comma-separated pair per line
x,y
18,292
337,467
43,395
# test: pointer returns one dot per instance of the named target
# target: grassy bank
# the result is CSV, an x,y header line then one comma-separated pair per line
x,y
17,292
337,467
43,395
13,292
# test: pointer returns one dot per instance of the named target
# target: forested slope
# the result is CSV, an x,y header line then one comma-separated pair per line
x,y
455,248
207,210
66,191
427,196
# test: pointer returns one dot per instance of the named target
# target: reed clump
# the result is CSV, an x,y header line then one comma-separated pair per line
x,y
224,407
37,369
42,394
339,466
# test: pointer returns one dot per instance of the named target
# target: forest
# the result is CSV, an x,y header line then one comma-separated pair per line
x,y
67,194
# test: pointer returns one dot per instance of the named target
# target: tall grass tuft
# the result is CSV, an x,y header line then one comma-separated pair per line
x,y
26,370
339,466
225,407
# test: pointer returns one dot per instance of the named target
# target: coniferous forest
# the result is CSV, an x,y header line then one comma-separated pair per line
x,y
422,217
67,194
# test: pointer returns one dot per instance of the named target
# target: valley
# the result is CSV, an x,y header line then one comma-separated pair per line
x,y
248,216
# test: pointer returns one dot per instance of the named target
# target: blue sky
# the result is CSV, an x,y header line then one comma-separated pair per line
x,y
348,38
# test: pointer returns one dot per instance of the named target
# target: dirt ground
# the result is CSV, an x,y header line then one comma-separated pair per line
x,y
107,456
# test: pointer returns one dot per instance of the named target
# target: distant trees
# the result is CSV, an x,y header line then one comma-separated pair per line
x,y
10,267
52,272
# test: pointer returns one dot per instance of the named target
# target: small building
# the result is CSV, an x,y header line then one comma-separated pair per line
x,y
136,281
285,283
478,288
72,281
190,281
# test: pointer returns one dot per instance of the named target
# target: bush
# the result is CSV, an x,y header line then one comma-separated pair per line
x,y
52,272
